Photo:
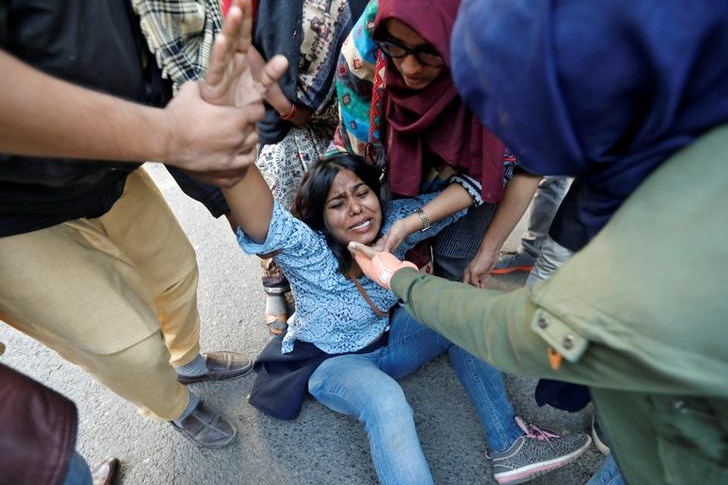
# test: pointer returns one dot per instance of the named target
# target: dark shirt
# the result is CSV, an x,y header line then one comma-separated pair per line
x,y
95,44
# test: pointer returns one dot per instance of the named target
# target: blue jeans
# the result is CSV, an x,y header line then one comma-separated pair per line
x,y
364,386
607,474
78,471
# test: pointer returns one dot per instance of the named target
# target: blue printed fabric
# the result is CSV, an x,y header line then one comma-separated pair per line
x,y
330,311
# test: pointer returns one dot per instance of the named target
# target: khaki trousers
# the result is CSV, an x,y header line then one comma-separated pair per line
x,y
116,295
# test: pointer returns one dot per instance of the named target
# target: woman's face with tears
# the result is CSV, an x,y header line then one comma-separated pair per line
x,y
353,211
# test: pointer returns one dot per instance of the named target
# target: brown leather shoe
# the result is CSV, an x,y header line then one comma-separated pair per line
x,y
106,472
206,428
221,366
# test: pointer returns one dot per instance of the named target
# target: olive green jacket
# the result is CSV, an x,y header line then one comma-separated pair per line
x,y
640,315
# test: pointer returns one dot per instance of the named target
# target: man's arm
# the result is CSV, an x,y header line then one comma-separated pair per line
x,y
208,130
45,116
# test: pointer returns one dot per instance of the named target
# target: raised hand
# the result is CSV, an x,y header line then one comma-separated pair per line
x,y
229,79
229,82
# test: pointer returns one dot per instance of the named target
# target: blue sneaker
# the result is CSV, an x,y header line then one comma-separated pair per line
x,y
512,261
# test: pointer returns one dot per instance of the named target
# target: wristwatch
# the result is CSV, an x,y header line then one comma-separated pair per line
x,y
424,219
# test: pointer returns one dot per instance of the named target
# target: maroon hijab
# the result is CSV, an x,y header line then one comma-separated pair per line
x,y
434,119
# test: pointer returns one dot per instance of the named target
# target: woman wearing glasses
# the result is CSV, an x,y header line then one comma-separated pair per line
x,y
399,108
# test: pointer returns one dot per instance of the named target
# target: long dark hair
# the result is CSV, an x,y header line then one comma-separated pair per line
x,y
310,203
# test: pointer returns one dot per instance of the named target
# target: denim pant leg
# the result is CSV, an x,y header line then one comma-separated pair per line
x,y
551,257
607,474
551,191
353,384
364,386
411,345
484,384
78,471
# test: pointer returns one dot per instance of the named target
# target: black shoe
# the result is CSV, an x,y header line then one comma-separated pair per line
x,y
206,428
221,366
106,472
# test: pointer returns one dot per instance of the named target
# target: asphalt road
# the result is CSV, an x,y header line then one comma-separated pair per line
x,y
320,446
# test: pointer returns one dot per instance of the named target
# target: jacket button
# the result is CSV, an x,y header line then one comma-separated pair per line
x,y
542,323
568,342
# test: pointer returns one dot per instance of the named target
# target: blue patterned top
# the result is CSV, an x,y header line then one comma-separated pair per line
x,y
330,311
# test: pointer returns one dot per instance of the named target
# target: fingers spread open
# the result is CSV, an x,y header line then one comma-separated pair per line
x,y
216,69
243,39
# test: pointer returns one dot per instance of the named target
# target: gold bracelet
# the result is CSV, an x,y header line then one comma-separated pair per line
x,y
424,219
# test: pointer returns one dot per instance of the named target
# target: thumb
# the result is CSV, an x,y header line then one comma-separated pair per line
x,y
362,249
273,70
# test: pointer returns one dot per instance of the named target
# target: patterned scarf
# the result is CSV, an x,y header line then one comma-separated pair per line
x,y
359,87
180,34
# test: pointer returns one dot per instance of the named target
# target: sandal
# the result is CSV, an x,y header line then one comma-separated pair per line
x,y
276,314
277,324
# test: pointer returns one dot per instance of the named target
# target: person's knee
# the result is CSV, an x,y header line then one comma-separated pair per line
x,y
387,403
142,360
371,399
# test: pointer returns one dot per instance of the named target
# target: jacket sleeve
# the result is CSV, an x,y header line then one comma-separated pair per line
x,y
642,307
38,431
504,329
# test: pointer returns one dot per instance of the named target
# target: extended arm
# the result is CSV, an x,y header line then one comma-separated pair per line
x,y
499,328
451,200
518,194
44,116
615,312
208,131
251,204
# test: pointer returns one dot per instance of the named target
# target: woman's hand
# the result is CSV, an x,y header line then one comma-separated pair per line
x,y
396,234
296,114
379,266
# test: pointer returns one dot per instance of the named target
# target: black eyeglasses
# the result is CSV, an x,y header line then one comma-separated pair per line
x,y
424,55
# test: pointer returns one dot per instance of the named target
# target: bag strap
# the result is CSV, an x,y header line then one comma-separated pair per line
x,y
364,293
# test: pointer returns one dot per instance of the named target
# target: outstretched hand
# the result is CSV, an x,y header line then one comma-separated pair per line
x,y
229,79
230,83
379,266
